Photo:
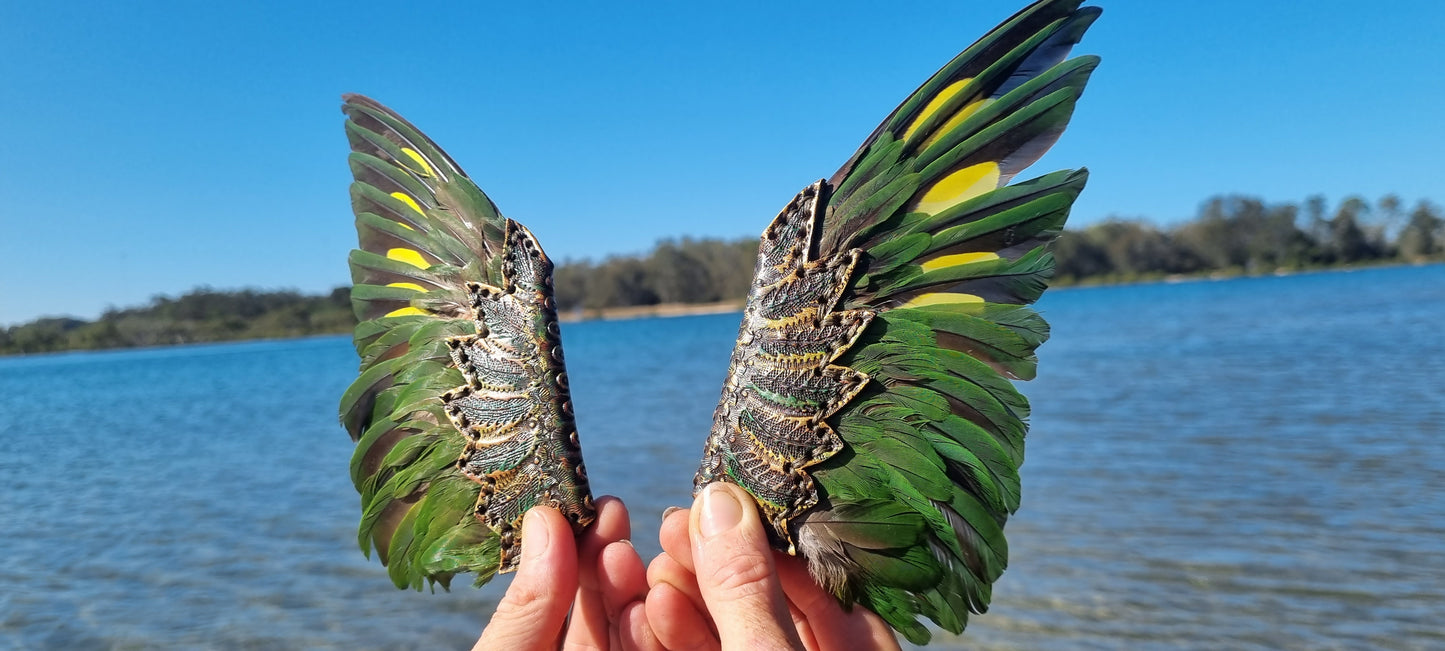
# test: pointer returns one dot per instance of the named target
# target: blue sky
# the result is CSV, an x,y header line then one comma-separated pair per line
x,y
153,147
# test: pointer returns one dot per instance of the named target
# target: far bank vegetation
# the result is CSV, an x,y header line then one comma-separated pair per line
x,y
1231,235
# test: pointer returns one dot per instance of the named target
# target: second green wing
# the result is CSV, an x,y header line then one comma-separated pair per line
x,y
869,408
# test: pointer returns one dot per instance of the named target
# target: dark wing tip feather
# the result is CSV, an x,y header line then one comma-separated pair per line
x,y
986,116
974,59
367,111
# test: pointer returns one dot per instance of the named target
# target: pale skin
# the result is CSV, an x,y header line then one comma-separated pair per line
x,y
717,585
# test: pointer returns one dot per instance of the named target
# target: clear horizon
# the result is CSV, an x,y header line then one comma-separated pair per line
x,y
155,150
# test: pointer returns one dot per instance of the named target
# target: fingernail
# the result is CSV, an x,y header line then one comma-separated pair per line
x,y
720,511
535,537
669,511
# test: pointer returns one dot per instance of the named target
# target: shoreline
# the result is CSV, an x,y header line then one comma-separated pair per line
x,y
659,310
1222,274
669,310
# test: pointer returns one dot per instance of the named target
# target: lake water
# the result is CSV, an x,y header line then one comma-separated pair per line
x,y
1242,464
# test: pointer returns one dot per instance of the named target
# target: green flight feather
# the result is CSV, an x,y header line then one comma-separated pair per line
x,y
460,388
887,321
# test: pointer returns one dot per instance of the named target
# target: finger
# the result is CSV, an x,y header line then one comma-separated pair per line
x,y
664,569
831,625
621,577
674,536
590,624
531,614
588,627
735,574
677,622
612,525
635,631
804,629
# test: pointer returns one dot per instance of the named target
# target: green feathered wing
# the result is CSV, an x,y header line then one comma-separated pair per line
x,y
869,408
461,413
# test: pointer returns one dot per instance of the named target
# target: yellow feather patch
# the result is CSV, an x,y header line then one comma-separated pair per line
x,y
402,197
957,119
408,256
406,311
933,105
959,187
941,298
958,259
426,170
411,286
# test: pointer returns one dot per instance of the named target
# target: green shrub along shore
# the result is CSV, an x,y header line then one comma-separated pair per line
x,y
1232,235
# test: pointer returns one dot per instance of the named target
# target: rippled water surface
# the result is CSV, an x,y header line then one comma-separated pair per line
x,y
1252,463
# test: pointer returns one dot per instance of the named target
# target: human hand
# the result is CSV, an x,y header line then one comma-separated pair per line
x,y
598,577
718,584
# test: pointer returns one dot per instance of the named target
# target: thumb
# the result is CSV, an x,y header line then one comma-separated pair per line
x,y
735,573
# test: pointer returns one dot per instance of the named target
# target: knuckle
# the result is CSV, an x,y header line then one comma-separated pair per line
x,y
741,574
812,601
521,604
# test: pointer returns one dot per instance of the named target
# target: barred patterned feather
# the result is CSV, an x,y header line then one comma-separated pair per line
x,y
461,412
869,407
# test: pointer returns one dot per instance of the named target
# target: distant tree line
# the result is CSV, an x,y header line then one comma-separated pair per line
x,y
1232,234
675,271
202,315
1235,234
